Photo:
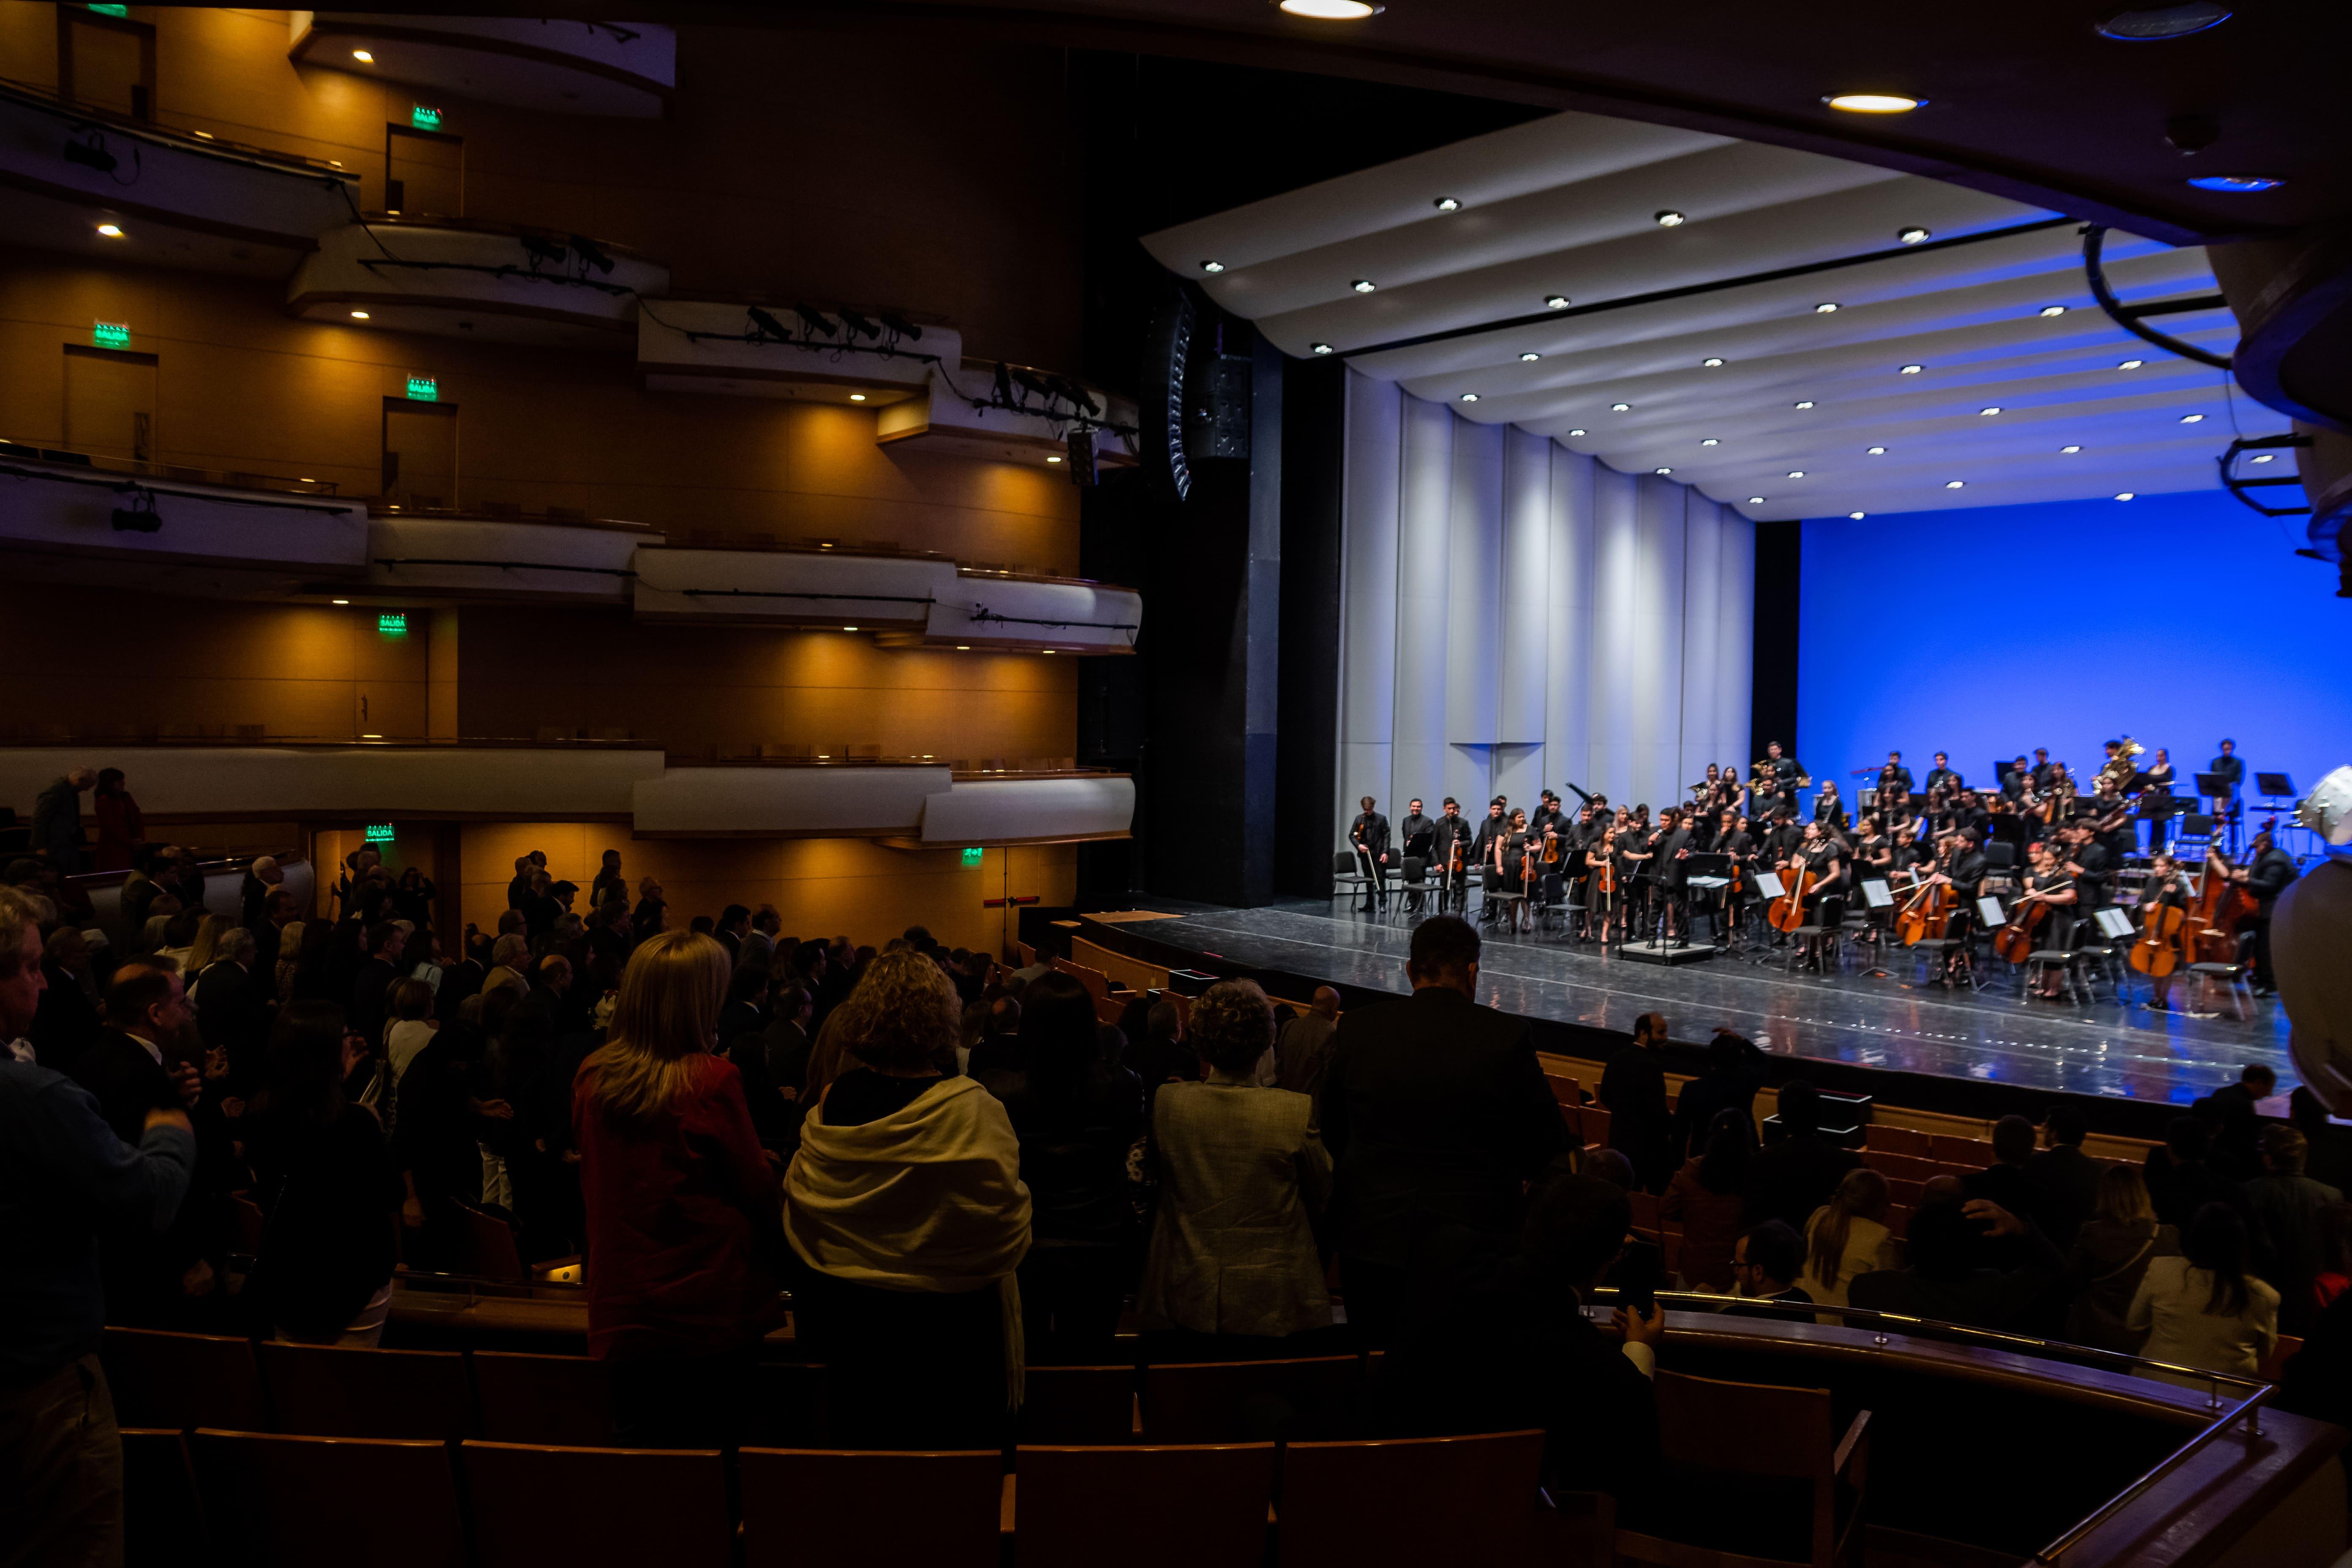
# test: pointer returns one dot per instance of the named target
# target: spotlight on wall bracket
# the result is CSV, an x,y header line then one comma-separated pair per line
x,y
859,326
591,254
816,321
140,516
901,326
765,327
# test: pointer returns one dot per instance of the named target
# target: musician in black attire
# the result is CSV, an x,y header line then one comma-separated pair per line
x,y
1447,831
2156,801
1673,877
1740,844
1482,851
1416,832
1826,902
1828,810
2166,888
1787,775
2044,769
1942,774
2266,876
1548,817
2231,768
1370,836
2084,859
2049,883
2016,782
1894,786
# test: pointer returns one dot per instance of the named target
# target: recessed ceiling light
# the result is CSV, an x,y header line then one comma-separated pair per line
x,y
1712,364
359,315
964,647
857,397
1796,473
1448,205
364,59
1669,218
1915,234
2131,364
2068,451
1857,516
2053,310
1954,484
1911,370
849,629
1331,10
338,601
1755,500
1876,451
1576,432
1621,408
1662,472
1874,102
1469,397
1052,459
2193,419
2263,457
1213,266
1987,412
1804,402
111,231
1319,348
2160,22
1053,651
2126,496
1363,285
1555,301
2237,185
1710,441
1826,308
1529,357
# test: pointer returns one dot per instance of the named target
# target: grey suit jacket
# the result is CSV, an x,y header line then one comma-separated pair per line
x,y
1242,1175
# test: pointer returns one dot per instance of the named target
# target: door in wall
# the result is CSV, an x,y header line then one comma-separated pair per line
x,y
110,403
420,453
424,173
105,63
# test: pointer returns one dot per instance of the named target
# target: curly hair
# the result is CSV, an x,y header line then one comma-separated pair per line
x,y
902,1015
1233,1025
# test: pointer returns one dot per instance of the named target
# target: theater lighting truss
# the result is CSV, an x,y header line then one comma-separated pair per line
x,y
1058,399
573,258
983,615
2238,484
2129,317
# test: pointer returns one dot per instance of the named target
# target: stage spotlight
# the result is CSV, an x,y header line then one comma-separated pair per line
x,y
767,326
1078,396
2158,22
816,321
860,326
91,154
1003,386
903,327
139,517
551,251
1029,382
1319,348
1915,234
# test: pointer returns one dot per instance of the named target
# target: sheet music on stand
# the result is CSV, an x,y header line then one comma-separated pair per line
x,y
1988,911
1769,884
1876,895
2114,922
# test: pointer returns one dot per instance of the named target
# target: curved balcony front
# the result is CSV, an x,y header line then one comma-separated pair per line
x,y
742,349
545,63
174,198
480,281
417,555
979,408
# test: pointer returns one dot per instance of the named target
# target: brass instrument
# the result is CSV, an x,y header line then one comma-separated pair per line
x,y
2119,767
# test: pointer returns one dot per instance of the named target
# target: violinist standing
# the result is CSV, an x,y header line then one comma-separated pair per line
x,y
1453,829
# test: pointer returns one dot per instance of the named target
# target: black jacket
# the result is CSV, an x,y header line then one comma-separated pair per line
x,y
66,1022
233,1013
2272,869
1434,1109
2065,1182
1790,1178
1633,1091
141,1269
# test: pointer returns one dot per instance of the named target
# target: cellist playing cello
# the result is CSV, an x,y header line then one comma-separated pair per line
x,y
2165,888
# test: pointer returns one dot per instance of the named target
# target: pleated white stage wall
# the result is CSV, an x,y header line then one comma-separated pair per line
x,y
1514,616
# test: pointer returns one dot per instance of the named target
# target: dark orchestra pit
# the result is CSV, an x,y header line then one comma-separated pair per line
x,y
1978,1053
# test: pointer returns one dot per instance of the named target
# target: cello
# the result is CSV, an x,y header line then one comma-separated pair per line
x,y
2014,942
1927,914
1787,912
2157,950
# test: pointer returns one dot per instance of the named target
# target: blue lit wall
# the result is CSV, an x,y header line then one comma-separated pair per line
x,y
2175,619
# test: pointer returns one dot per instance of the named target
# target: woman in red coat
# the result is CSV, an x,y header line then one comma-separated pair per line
x,y
685,1234
119,826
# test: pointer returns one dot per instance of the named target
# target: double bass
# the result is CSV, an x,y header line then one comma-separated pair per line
x,y
2210,934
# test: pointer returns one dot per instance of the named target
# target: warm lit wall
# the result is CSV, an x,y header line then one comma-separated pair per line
x,y
823,888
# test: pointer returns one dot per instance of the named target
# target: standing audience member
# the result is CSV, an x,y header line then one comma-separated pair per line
x,y
1633,1090
233,1007
1163,1055
510,956
371,987
64,1178
2065,1180
2290,1216
1243,1177
323,1175
1706,1196
2237,1125
907,1220
681,1205
2110,1257
1434,1109
1788,1180
66,1022
119,825
56,820
2204,1309
1304,1050
651,912
262,878
608,883
1734,1071
2329,1155
2004,1180
1847,1236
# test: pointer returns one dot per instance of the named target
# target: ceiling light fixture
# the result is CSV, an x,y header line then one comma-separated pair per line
x,y
1576,432
2158,22
1319,348
1857,516
857,397
964,647
1712,364
2265,457
1911,370
1621,408
1915,234
2193,419
1529,357
1213,266
1469,397
1363,285
359,315
1826,308
1796,473
1755,500
2131,364
1989,412
1874,102
2126,496
1669,218
1662,473
1555,301
338,601
2237,185
111,231
849,629
1448,205
1954,484
1052,459
1876,451
364,59
1332,10
2068,451
1805,403
1710,441
2053,310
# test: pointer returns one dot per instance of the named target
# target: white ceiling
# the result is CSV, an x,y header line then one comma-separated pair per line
x,y
1568,206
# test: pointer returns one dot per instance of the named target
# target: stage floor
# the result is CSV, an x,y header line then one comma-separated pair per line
x,y
1993,1035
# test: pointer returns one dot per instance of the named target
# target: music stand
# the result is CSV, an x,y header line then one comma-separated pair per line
x,y
2274,786
1767,883
2212,786
2114,922
1878,896
1988,911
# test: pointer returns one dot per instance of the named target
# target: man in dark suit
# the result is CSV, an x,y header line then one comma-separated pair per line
x,y
2266,876
734,924
1434,1110
1633,1091
2066,1181
2237,1128
233,1011
370,1003
66,1023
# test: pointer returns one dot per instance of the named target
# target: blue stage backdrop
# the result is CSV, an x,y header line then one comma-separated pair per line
x,y
2177,619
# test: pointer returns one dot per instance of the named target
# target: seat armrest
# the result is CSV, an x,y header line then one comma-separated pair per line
x,y
1853,1448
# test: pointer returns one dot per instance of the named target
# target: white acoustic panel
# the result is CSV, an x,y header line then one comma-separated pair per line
x,y
1474,600
1029,811
1369,582
1425,578
271,781
785,802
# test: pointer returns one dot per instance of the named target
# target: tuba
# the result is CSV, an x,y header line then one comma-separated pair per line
x,y
2119,768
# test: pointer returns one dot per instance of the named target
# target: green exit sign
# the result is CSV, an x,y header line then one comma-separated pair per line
x,y
112,10
392,624
424,119
110,334
379,833
972,856
423,389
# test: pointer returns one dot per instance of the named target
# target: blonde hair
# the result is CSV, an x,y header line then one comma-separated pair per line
x,y
668,1015
903,1013
1861,1196
206,947
2123,1196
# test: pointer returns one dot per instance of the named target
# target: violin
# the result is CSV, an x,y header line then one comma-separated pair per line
x,y
1604,876
2157,950
1787,912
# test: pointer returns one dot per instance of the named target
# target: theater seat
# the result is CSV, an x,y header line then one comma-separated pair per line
x,y
1078,1404
564,1399
597,1507
789,1407
356,1502
323,1392
1142,1507
161,1520
183,1381
1408,1503
1240,1401
1899,1140
851,1510
1758,1475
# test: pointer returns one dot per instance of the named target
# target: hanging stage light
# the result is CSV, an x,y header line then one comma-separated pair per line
x,y
591,254
816,321
859,326
903,327
766,326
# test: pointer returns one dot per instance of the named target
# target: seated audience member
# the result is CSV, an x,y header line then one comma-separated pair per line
x,y
323,1175
2066,1181
1163,1056
1304,1048
1792,1176
1706,1196
2110,1256
1847,1237
2181,1179
2004,1182
437,1137
61,1461
2334,1275
66,1023
2204,1309
2236,1126
1243,1176
1945,1276
1505,1345
1434,1109
2317,1379
1734,1071
1765,1265
2288,1207
999,1040
906,1220
681,1205
1608,1165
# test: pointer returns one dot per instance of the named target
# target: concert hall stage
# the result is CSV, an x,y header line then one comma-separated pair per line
x,y
1980,1054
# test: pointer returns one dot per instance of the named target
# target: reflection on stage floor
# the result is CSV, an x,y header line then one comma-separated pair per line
x,y
1994,1036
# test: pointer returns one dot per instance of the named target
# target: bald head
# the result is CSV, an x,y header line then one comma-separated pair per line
x,y
1327,1001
